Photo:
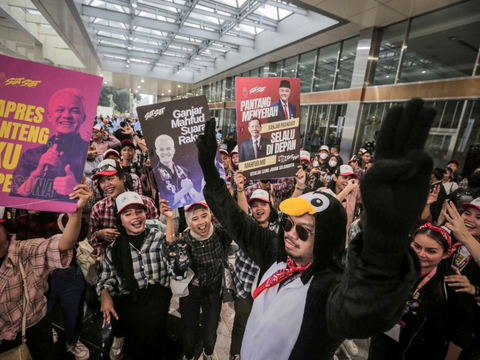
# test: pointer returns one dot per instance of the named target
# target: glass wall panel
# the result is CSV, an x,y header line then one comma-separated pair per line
x,y
229,89
443,44
467,148
347,62
326,65
389,53
261,71
305,70
254,72
245,74
290,67
275,69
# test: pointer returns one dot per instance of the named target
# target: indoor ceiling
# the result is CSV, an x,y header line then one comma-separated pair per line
x,y
210,39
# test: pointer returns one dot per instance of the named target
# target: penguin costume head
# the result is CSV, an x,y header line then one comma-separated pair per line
x,y
328,236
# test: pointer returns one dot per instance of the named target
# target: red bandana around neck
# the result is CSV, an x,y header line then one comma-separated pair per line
x,y
281,275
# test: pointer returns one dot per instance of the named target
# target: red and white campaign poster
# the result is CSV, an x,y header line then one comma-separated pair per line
x,y
268,126
46,118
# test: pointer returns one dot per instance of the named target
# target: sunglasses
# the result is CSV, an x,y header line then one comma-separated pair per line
x,y
95,132
103,168
302,232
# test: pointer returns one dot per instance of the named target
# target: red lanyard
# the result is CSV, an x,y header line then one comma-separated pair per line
x,y
425,280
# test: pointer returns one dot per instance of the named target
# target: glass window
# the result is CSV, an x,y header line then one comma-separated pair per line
x,y
290,67
275,69
261,71
443,44
467,149
326,65
305,70
347,62
254,72
389,53
245,74
229,89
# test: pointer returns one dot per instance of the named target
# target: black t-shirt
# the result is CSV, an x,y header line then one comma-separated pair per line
x,y
2,259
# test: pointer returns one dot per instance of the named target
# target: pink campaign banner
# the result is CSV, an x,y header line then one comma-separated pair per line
x,y
46,119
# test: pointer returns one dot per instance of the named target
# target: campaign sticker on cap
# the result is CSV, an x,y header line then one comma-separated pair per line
x,y
259,194
475,203
128,198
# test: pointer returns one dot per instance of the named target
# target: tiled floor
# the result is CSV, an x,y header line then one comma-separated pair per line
x,y
99,340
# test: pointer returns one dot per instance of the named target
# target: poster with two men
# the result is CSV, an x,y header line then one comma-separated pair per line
x,y
268,126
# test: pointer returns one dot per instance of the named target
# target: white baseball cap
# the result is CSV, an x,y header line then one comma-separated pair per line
x,y
259,194
234,151
106,167
111,151
128,198
304,155
346,170
324,147
97,127
203,203
475,203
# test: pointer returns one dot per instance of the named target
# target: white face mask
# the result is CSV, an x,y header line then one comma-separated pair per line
x,y
332,163
323,156
315,163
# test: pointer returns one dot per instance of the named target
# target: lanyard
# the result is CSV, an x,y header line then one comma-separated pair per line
x,y
425,280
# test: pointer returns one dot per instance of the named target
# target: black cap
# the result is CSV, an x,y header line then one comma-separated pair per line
x,y
285,84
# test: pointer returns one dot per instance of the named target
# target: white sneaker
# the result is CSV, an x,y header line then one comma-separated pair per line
x,y
116,351
55,336
349,348
80,351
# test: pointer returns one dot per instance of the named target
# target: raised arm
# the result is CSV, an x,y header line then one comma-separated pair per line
x,y
241,198
373,291
257,242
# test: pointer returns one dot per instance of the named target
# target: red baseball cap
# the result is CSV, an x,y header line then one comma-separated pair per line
x,y
259,194
111,151
106,167
346,170
128,142
475,203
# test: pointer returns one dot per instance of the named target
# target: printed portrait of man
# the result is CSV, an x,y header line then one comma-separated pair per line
x,y
285,109
51,171
256,146
174,181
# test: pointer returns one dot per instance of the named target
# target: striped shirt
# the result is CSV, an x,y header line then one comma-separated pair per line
x,y
148,266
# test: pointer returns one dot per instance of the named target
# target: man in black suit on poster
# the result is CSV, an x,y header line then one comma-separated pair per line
x,y
256,146
285,109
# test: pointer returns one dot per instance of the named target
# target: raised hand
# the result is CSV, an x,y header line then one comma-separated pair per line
x,y
207,150
394,191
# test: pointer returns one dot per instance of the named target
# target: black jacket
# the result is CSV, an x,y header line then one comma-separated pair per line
x,y
365,299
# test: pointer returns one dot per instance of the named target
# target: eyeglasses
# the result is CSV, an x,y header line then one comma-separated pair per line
x,y
302,232
103,168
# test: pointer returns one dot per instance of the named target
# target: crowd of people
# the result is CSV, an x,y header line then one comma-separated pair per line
x,y
383,246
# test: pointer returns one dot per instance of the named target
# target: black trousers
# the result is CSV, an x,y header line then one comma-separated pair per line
x,y
143,321
243,307
39,341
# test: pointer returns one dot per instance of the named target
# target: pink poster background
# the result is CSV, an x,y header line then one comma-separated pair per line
x,y
33,84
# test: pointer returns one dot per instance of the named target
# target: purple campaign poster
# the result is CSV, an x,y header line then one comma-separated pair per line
x,y
46,117
170,130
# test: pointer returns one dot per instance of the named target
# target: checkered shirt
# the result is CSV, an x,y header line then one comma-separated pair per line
x,y
245,270
103,217
209,256
138,162
276,190
148,266
39,257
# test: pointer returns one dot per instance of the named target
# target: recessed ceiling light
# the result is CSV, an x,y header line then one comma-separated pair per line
x,y
162,94
179,86
104,82
183,68
178,72
138,86
143,80
169,90
129,48
293,70
387,76
237,28
128,61
131,38
127,65
136,90
101,75
423,72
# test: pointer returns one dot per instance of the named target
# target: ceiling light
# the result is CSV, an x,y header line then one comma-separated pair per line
x,y
138,86
169,90
127,66
423,72
207,51
136,91
293,70
162,94
237,28
178,72
134,3
387,76
101,75
179,86
131,38
104,82
183,68
129,47
128,61
143,80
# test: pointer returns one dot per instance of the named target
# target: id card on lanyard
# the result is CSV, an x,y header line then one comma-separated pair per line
x,y
394,332
461,258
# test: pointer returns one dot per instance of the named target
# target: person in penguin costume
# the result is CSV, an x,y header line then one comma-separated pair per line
x,y
306,303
